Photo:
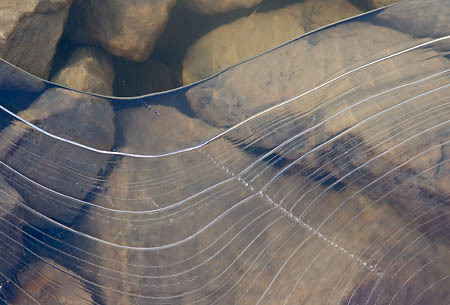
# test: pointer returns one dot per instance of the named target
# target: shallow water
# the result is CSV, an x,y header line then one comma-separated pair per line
x,y
316,173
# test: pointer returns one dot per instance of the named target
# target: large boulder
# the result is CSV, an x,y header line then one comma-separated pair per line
x,y
213,7
29,32
88,69
292,71
259,32
124,28
371,119
54,166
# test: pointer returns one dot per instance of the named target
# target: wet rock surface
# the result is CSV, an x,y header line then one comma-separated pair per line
x,y
88,69
128,29
29,32
212,7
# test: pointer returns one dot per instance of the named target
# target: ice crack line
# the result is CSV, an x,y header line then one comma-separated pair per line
x,y
315,232
289,214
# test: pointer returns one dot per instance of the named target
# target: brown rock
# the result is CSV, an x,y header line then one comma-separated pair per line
x,y
135,185
213,7
319,13
88,69
11,223
29,32
52,284
253,250
372,144
354,211
133,79
285,73
247,37
323,115
129,29
53,164
239,40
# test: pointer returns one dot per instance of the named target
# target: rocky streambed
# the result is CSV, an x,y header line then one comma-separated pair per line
x,y
314,173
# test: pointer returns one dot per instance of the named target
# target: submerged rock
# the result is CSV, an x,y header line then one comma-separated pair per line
x,y
88,69
429,20
12,79
319,13
124,28
259,32
383,3
46,282
288,72
333,190
343,123
29,32
11,223
49,163
213,7
144,184
239,40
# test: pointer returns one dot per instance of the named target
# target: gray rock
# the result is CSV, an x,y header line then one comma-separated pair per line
x,y
49,163
88,69
29,32
247,37
213,7
11,214
124,28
